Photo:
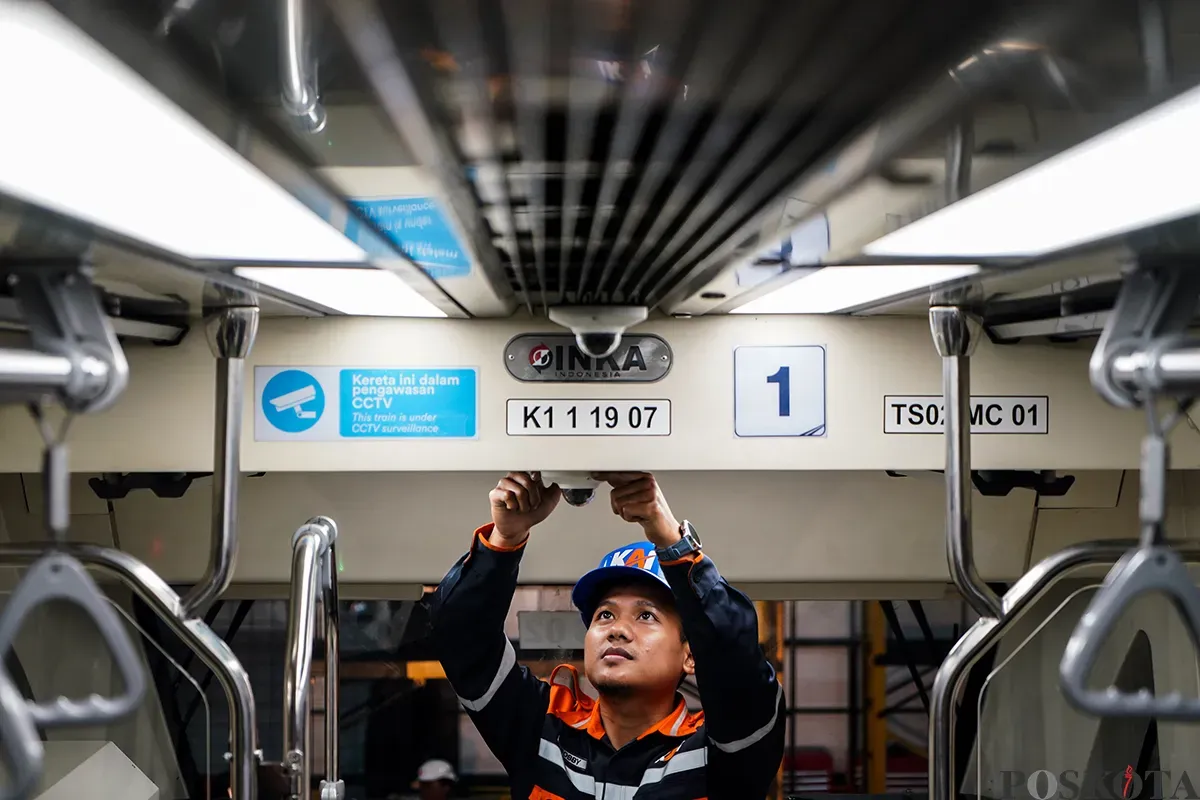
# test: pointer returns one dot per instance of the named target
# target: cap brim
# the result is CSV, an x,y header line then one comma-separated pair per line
x,y
584,593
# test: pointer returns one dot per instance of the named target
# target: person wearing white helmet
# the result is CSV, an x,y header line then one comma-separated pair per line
x,y
435,781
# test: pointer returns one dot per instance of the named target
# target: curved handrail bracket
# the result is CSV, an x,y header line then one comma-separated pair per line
x,y
58,576
20,745
1155,568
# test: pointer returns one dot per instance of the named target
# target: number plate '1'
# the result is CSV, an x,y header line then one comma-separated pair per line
x,y
555,358
589,417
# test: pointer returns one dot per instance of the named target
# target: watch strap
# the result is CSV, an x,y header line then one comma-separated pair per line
x,y
688,543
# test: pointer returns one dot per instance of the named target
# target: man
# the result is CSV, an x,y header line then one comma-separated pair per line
x,y
655,612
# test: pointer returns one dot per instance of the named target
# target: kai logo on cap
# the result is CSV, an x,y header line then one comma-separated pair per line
x,y
633,557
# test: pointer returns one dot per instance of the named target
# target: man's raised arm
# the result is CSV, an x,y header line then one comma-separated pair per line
x,y
743,699
505,701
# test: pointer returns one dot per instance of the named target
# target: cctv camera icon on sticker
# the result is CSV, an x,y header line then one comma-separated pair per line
x,y
295,400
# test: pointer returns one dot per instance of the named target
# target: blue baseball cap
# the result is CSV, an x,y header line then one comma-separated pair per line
x,y
633,562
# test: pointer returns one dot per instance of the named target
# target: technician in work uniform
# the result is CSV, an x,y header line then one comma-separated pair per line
x,y
656,612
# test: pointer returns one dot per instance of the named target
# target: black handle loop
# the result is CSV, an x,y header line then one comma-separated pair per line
x,y
1156,568
20,744
58,576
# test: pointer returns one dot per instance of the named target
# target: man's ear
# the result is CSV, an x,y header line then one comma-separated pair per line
x,y
689,663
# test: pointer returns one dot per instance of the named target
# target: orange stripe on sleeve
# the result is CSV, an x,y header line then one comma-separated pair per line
x,y
484,531
690,558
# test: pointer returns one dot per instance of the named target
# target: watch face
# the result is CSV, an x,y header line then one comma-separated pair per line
x,y
690,536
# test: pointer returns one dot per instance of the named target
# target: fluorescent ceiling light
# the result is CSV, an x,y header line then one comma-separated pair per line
x,y
833,289
85,136
1141,173
357,292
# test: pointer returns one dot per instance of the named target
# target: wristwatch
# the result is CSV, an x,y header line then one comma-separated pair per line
x,y
689,542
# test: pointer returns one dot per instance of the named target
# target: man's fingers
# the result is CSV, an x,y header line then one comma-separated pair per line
x,y
531,486
635,489
549,500
552,494
502,498
636,507
517,492
619,478
637,512
636,498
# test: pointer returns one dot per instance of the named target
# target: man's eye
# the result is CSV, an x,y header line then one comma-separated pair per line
x,y
648,615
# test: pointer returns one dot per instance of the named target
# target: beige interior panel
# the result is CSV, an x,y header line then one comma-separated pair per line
x,y
1092,489
164,421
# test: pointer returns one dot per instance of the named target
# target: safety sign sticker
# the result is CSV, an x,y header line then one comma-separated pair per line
x,y
419,228
989,414
322,404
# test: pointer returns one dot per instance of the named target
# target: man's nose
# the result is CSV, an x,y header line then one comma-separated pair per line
x,y
619,629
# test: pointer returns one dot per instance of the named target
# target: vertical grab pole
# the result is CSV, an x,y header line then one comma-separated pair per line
x,y
332,788
308,547
955,333
231,333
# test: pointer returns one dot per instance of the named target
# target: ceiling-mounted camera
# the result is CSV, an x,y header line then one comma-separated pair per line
x,y
598,329
578,488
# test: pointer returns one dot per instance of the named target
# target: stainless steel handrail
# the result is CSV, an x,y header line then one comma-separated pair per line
x,y
212,650
955,334
332,788
314,577
298,89
231,332
951,676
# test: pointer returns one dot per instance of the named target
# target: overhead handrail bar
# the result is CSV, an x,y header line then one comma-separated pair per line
x,y
951,677
1141,358
314,578
197,636
230,332
298,88
75,359
76,362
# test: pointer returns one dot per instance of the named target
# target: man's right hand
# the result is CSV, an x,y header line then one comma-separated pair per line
x,y
519,502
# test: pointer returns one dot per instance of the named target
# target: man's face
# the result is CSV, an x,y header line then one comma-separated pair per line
x,y
634,642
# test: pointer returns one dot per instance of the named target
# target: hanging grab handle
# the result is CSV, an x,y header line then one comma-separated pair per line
x,y
58,576
19,743
1155,568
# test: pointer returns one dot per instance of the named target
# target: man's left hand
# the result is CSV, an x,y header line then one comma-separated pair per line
x,y
636,497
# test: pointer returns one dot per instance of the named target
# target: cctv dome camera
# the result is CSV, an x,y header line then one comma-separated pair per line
x,y
578,488
598,344
598,329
